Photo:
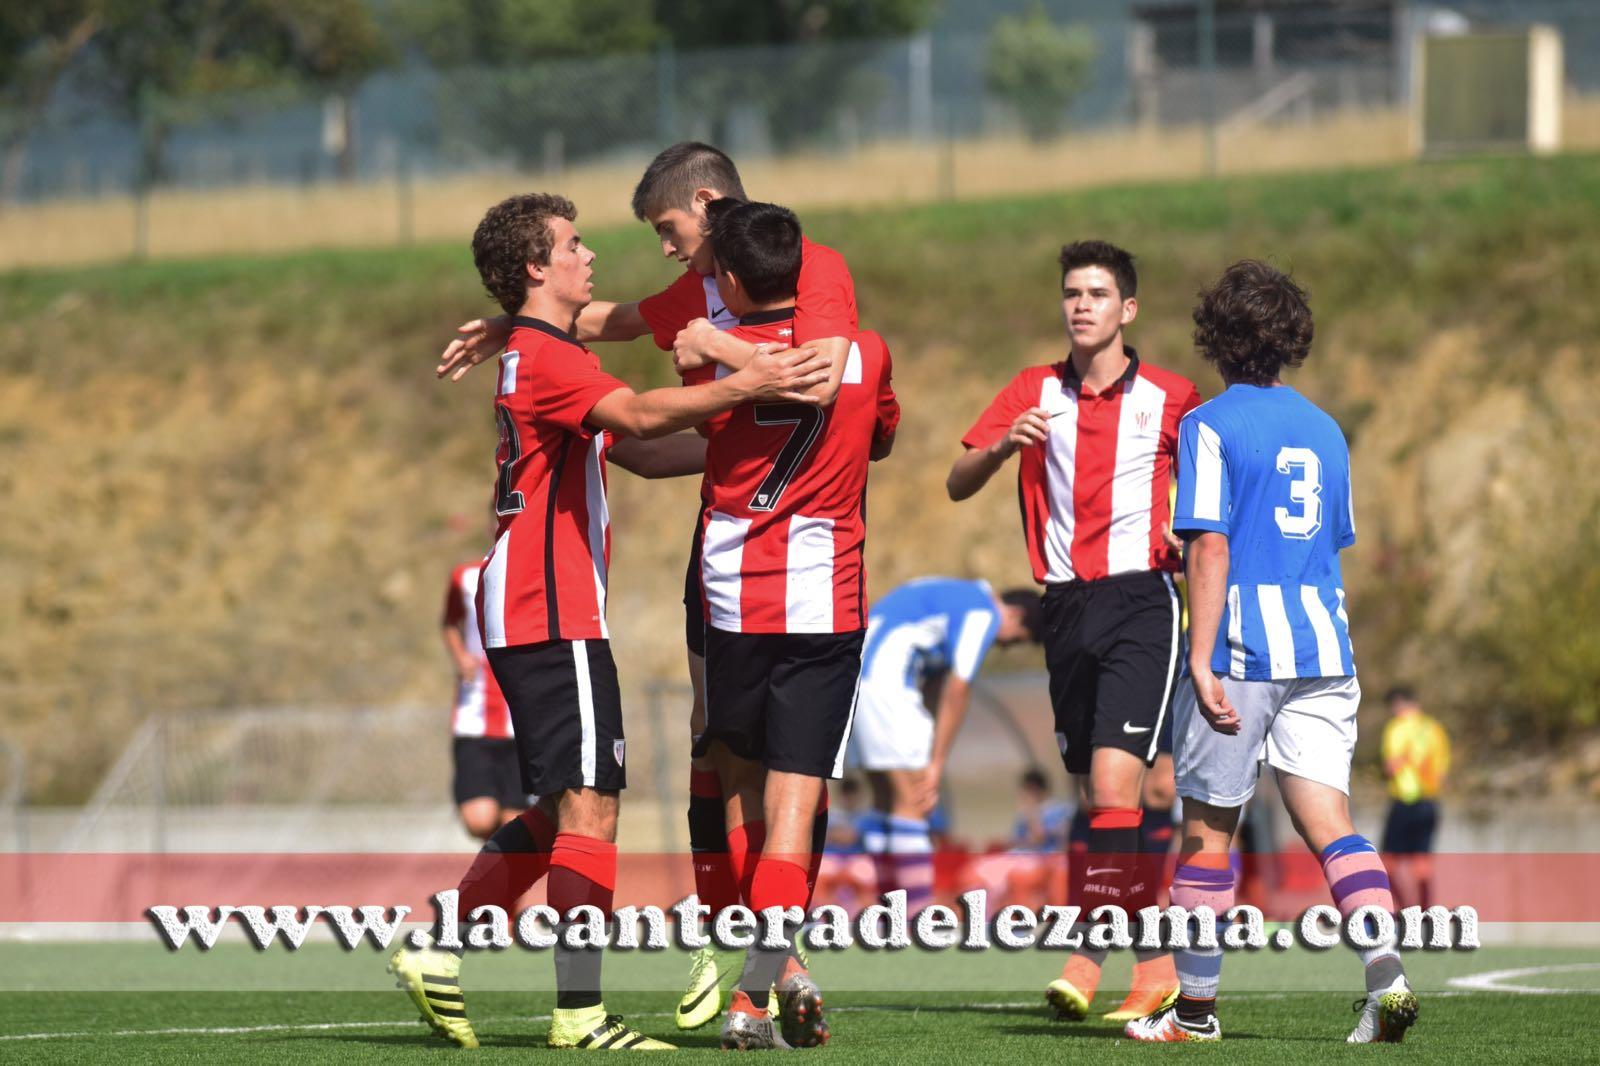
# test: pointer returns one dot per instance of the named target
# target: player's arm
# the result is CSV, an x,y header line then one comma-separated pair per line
x,y
955,696
782,375
484,338
678,455
1206,569
700,343
466,665
973,470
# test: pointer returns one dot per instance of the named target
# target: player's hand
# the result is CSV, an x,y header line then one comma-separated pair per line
x,y
1031,427
927,794
690,347
481,339
1174,541
1213,700
784,374
467,670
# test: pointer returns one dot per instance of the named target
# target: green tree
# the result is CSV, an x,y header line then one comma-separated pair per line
x,y
1038,68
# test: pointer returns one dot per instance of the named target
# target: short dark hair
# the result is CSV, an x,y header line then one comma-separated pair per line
x,y
1400,694
675,173
514,233
1033,777
757,243
1032,610
1101,254
1252,323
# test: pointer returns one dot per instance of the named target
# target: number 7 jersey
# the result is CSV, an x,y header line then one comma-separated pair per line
x,y
1271,470
785,520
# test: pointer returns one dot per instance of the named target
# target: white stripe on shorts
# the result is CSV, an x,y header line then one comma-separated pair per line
x,y
1172,668
580,668
844,741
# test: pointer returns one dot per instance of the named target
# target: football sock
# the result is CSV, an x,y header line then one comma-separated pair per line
x,y
1156,832
1149,868
744,849
1107,870
509,863
777,883
911,860
714,881
1203,881
583,870
1356,878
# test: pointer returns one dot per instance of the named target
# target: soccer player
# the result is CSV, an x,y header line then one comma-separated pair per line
x,y
1416,758
1264,501
690,319
934,630
1097,433
542,596
487,783
783,579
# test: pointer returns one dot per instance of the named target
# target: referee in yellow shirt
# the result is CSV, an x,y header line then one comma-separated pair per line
x,y
1416,757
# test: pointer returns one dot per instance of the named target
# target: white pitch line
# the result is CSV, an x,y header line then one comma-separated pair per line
x,y
1491,981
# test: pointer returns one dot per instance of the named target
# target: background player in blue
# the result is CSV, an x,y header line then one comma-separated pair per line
x,y
1264,502
931,632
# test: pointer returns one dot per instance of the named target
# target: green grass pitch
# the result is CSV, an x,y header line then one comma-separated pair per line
x,y
75,1003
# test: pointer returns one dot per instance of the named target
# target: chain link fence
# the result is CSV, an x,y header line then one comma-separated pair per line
x,y
1170,90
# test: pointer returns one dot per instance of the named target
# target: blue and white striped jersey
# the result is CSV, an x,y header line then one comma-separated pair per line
x,y
927,627
1270,469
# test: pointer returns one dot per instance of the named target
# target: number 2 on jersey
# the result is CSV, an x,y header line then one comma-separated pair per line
x,y
506,499
1305,490
807,422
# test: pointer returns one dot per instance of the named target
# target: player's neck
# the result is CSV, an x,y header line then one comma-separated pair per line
x,y
547,308
1100,366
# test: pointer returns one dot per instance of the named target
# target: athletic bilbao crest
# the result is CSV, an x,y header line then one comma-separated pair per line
x,y
1143,418
617,749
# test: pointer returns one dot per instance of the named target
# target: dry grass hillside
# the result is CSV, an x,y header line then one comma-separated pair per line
x,y
235,482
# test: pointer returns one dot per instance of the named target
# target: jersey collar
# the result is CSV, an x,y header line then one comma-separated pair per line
x,y
1070,379
763,318
529,322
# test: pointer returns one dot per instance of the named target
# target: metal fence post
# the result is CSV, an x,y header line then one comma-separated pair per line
x,y
1207,27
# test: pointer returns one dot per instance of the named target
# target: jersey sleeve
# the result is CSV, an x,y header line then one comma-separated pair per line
x,y
455,612
1203,489
1347,512
565,388
825,301
888,403
974,632
674,307
997,418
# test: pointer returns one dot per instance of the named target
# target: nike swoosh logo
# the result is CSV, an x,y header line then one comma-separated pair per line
x,y
718,311
704,992
1103,870
1129,727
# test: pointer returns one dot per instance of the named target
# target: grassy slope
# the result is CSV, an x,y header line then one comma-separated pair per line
x,y
235,481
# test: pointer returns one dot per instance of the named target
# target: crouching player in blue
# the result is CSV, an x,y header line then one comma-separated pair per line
x,y
1264,503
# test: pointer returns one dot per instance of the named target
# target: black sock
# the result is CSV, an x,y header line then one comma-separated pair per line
x,y
1195,1011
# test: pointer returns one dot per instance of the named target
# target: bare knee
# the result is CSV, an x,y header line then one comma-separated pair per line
x,y
481,817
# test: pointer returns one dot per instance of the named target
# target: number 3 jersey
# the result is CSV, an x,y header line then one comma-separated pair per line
x,y
786,483
1271,470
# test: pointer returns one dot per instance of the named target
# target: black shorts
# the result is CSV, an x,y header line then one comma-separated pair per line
x,y
1410,827
566,710
694,608
487,768
782,699
1112,650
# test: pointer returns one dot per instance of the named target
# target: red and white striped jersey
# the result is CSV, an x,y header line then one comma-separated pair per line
x,y
545,577
824,307
785,525
480,709
1095,494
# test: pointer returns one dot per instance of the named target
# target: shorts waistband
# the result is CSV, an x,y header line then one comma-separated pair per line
x,y
1104,582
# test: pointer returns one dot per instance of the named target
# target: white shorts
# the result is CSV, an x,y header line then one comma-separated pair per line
x,y
892,729
1305,727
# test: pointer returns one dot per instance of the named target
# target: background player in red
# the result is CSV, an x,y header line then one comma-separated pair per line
x,y
487,782
785,602
691,319
542,594
1098,433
